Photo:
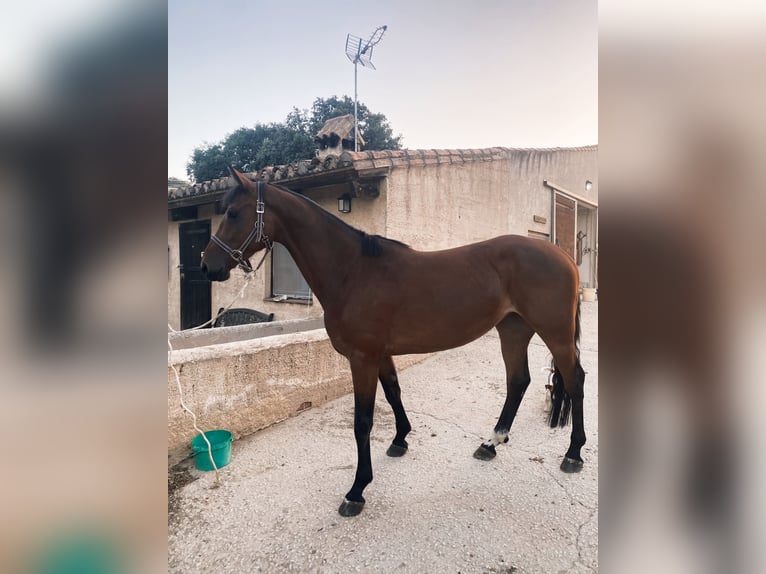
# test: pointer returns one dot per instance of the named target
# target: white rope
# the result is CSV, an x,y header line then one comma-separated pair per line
x,y
248,278
193,416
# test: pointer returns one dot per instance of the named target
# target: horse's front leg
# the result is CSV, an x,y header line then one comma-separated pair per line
x,y
365,376
390,383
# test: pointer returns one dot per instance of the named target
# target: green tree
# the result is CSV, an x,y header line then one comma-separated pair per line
x,y
250,149
206,162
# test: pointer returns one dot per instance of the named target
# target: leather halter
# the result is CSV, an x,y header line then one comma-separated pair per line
x,y
256,234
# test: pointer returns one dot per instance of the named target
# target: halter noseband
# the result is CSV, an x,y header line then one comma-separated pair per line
x,y
257,233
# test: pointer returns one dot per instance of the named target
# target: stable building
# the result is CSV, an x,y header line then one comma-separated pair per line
x,y
429,199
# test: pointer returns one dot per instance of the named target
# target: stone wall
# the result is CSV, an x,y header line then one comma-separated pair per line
x,y
244,386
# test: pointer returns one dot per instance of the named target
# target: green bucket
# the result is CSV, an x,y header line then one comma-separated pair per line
x,y
220,443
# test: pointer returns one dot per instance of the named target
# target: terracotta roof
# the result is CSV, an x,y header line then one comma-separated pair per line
x,y
363,160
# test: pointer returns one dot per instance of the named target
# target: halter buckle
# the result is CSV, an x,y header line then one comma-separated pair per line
x,y
260,207
236,254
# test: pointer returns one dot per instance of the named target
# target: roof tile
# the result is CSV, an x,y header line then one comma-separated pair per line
x,y
365,160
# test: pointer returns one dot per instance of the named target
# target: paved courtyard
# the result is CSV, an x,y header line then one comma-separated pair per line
x,y
437,509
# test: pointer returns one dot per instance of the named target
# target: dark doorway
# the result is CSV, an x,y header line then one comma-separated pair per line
x,y
195,288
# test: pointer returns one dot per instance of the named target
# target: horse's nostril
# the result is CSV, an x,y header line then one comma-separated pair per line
x,y
203,268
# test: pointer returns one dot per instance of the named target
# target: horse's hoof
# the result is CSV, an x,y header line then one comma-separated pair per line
x,y
395,450
350,508
485,452
570,465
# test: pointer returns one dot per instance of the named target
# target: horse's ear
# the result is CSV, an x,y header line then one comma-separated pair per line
x,y
239,178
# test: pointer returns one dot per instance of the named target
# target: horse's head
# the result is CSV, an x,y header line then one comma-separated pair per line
x,y
241,232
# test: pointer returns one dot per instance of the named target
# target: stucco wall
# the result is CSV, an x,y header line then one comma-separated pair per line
x,y
442,206
569,168
446,205
174,277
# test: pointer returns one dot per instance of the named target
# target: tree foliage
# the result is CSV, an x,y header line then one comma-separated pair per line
x,y
250,149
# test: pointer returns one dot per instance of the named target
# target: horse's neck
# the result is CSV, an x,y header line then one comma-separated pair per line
x,y
322,249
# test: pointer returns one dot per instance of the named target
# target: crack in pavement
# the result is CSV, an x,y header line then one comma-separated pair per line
x,y
593,510
577,541
564,488
445,421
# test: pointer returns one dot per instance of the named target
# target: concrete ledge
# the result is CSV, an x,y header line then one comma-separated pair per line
x,y
245,386
219,335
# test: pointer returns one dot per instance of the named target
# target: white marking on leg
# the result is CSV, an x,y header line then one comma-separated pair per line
x,y
497,438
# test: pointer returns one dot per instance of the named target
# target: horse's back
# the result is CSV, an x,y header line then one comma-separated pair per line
x,y
518,256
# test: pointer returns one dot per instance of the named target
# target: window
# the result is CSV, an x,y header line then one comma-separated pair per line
x,y
286,278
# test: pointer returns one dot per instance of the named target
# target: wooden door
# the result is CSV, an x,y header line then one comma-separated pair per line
x,y
195,287
565,223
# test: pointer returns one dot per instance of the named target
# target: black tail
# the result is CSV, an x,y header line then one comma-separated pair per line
x,y
562,404
577,332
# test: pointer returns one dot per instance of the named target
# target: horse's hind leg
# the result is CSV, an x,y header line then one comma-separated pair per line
x,y
390,383
515,335
568,364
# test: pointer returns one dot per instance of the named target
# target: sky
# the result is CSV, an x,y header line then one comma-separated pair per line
x,y
449,74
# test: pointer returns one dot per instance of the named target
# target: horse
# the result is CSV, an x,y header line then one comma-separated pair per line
x,y
382,298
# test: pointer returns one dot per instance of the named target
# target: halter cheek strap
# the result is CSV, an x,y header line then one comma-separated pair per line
x,y
256,234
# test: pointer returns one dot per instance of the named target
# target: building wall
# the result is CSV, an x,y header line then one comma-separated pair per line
x,y
174,277
529,196
445,205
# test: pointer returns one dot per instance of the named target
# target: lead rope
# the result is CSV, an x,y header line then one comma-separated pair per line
x,y
248,277
217,482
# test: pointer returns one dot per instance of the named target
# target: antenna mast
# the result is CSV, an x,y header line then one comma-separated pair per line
x,y
360,52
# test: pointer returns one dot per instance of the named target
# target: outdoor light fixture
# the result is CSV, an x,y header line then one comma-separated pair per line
x,y
344,203
588,185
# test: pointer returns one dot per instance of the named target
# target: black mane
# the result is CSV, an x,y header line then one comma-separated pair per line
x,y
372,245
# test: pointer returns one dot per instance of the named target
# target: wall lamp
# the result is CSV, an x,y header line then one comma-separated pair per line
x,y
588,185
344,203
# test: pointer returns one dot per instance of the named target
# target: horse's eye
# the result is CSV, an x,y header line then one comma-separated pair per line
x,y
231,213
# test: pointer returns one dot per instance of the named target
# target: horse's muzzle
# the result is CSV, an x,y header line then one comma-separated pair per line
x,y
218,275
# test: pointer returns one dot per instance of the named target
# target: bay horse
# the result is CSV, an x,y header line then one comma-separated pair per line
x,y
381,298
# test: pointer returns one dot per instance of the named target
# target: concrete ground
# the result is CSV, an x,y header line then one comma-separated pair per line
x,y
437,509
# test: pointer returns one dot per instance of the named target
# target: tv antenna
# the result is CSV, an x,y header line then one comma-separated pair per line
x,y
360,52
